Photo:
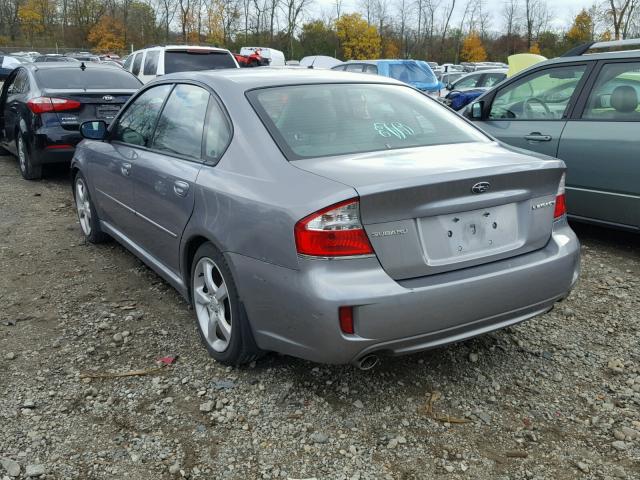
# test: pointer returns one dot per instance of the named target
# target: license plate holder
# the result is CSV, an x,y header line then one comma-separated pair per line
x,y
466,235
107,112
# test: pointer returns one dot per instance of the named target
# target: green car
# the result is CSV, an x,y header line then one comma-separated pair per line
x,y
584,109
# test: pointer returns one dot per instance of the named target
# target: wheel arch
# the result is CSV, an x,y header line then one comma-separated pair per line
x,y
190,246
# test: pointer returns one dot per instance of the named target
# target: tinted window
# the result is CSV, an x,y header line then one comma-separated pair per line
x,y
616,94
136,124
411,72
20,84
218,132
371,69
181,124
136,64
339,67
336,119
185,61
542,95
354,67
75,77
128,62
151,62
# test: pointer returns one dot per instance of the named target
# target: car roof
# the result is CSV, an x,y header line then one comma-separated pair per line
x,y
486,70
68,65
262,77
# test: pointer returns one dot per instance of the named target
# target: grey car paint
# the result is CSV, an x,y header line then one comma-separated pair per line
x,y
248,203
601,155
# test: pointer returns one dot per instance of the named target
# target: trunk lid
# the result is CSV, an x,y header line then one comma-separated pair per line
x,y
95,105
422,217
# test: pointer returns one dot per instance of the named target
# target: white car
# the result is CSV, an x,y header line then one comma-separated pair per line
x,y
148,63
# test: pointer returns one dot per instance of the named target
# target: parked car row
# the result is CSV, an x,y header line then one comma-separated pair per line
x,y
355,197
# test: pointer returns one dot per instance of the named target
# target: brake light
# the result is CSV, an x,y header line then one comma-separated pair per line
x,y
51,104
334,231
561,206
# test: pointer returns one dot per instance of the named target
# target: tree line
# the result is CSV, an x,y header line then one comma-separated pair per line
x,y
437,30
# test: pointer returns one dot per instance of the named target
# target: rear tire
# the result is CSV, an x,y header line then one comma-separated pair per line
x,y
220,316
87,215
28,170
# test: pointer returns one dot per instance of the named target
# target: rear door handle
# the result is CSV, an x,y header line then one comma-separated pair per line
x,y
125,169
537,137
181,188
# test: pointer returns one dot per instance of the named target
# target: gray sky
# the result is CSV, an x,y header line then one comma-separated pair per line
x,y
563,10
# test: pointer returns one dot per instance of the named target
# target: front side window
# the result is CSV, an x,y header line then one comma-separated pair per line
x,y
372,69
491,79
136,124
470,81
542,95
137,62
181,124
151,62
616,94
354,67
335,119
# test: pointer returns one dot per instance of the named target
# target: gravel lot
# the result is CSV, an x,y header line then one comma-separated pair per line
x,y
555,398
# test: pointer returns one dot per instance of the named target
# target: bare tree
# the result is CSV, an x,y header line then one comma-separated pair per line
x,y
621,12
448,13
536,18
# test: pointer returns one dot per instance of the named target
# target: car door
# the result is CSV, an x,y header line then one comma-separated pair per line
x,y
111,163
531,112
14,99
600,146
164,176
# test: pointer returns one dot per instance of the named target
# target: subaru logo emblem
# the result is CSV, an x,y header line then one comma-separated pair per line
x,y
481,187
108,98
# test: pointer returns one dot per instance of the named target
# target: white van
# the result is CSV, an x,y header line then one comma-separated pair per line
x,y
275,57
148,63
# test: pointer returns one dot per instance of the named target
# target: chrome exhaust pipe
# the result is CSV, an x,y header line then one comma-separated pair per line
x,y
367,362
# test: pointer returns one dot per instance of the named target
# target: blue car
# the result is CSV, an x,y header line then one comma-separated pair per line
x,y
416,73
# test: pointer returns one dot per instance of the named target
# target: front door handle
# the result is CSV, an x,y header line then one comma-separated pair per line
x,y
537,137
181,188
125,169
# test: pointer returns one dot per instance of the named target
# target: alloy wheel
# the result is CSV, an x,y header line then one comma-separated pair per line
x,y
83,206
212,304
22,155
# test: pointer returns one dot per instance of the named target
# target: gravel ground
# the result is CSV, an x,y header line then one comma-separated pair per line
x,y
555,398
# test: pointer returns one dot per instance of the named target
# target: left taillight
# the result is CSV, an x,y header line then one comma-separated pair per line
x,y
52,104
561,206
334,231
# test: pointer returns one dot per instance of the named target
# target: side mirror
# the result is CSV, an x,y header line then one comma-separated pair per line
x,y
476,110
94,130
449,86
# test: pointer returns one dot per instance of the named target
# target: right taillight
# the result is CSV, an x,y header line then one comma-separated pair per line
x,y
561,206
335,231
51,104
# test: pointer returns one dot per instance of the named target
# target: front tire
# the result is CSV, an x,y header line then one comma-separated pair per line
x,y
87,215
221,319
28,170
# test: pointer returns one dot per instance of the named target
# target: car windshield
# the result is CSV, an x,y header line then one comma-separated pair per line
x,y
335,119
190,61
61,78
411,72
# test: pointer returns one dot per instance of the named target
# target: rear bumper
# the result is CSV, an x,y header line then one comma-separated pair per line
x,y
296,311
54,145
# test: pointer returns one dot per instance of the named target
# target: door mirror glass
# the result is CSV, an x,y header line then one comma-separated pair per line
x,y
449,86
476,110
94,130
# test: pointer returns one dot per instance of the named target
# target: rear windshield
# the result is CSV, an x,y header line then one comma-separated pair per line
x,y
335,119
185,61
60,78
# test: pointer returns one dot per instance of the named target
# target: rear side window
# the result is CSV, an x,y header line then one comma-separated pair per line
x,y
190,61
181,124
470,81
616,94
137,62
151,62
93,78
372,69
218,132
354,67
336,119
135,126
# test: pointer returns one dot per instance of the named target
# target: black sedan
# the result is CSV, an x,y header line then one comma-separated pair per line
x,y
43,104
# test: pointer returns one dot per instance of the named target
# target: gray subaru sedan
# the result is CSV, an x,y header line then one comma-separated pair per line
x,y
327,216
